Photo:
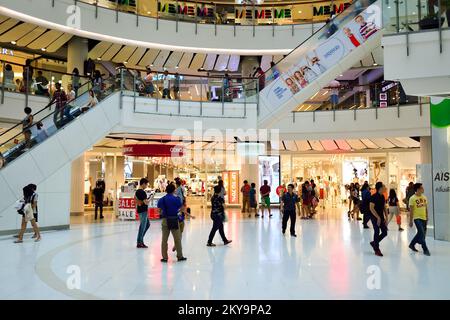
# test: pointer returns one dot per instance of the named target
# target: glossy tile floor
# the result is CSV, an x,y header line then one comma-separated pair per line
x,y
330,259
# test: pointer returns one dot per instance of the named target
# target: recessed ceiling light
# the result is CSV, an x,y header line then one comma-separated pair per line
x,y
125,62
341,75
43,49
99,58
13,42
300,11
176,67
149,12
151,65
375,64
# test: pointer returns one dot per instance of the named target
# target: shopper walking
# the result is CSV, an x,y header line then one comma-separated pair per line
x,y
142,202
418,212
245,190
218,217
394,209
306,200
252,200
34,199
76,80
223,192
265,198
60,98
166,85
27,122
27,211
364,207
98,193
288,204
377,207
169,207
356,202
409,192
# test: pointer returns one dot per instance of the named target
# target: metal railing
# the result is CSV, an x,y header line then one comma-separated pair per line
x,y
188,90
30,83
24,137
374,97
272,15
412,16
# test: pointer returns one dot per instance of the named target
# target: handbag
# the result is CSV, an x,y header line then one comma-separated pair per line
x,y
28,212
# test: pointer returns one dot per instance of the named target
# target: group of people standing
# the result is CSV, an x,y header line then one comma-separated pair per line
x,y
173,211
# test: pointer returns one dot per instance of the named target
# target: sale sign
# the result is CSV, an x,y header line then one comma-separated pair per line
x,y
127,208
233,195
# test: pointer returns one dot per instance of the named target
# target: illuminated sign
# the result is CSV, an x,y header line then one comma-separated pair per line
x,y
268,13
187,9
330,9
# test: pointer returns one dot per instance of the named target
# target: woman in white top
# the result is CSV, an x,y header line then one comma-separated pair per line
x,y
92,101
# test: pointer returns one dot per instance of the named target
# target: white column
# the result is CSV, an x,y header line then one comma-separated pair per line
x,y
77,53
425,150
77,187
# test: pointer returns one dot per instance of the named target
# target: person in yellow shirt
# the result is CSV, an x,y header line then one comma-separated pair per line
x,y
418,212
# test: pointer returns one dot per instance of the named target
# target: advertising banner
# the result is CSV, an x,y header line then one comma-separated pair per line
x,y
269,169
440,136
153,150
336,40
231,184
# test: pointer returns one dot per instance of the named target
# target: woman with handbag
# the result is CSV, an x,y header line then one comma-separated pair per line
x,y
27,212
169,206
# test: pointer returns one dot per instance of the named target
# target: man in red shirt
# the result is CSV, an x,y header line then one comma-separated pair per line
x,y
245,197
59,96
265,198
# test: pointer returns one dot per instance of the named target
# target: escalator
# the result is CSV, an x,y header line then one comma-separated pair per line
x,y
37,152
336,47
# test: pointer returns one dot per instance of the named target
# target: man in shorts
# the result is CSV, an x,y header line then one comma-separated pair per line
x,y
265,198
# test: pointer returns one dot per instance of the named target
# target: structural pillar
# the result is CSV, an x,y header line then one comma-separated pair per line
x,y
77,53
77,187
425,150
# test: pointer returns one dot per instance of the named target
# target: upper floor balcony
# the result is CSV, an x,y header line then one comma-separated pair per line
x,y
417,45
272,28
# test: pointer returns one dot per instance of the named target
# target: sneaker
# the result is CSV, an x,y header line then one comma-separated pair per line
x,y
359,219
293,235
182,259
227,242
284,232
102,217
164,260
210,244
262,216
270,215
372,245
141,246
366,227
401,229
426,252
378,253
256,215
413,248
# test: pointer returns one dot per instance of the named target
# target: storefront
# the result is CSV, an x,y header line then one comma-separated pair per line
x,y
332,172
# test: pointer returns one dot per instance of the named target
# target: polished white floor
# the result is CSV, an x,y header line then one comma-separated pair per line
x,y
330,259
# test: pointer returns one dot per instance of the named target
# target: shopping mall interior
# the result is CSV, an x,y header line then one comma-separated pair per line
x,y
98,94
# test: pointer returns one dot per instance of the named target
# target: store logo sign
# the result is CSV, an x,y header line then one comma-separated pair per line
x,y
186,9
330,9
277,13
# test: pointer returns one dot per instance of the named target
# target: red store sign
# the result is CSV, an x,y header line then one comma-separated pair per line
x,y
153,150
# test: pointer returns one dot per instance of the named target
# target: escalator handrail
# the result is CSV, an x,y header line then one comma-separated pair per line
x,y
38,112
46,117
311,36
